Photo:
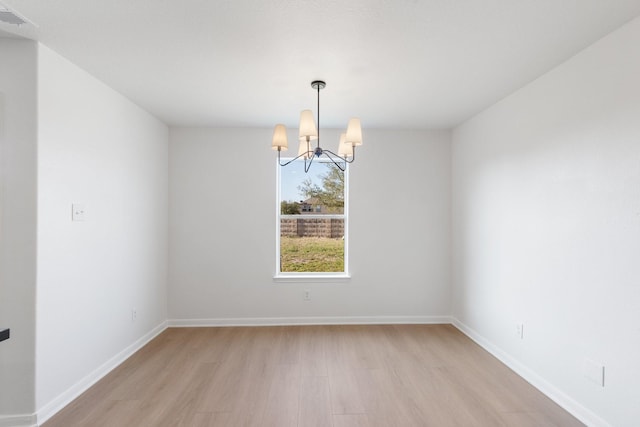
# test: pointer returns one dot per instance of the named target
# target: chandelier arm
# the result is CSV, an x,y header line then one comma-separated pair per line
x,y
294,159
307,167
331,155
344,159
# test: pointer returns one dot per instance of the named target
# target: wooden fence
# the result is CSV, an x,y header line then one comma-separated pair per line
x,y
312,227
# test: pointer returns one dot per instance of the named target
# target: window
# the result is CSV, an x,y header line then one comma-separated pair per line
x,y
311,224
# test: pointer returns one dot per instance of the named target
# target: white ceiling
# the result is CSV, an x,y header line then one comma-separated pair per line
x,y
394,63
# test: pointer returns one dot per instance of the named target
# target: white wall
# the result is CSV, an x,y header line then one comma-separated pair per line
x,y
17,227
95,148
546,208
222,231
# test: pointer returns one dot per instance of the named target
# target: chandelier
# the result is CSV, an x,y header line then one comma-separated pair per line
x,y
308,132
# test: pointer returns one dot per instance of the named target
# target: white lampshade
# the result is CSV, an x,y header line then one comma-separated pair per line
x,y
304,147
354,132
308,125
280,138
345,150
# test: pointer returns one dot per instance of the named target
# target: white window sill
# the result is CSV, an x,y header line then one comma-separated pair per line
x,y
311,278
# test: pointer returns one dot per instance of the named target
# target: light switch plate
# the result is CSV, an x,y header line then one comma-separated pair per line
x,y
593,371
78,212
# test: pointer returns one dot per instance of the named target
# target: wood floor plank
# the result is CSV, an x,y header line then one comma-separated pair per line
x,y
350,420
314,349
473,409
421,387
526,419
344,390
315,409
387,402
113,414
196,419
222,419
283,401
306,376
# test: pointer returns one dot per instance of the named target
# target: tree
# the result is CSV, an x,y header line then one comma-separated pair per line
x,y
289,208
331,193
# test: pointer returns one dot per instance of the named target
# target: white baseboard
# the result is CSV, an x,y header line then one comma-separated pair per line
x,y
286,321
570,405
51,408
18,420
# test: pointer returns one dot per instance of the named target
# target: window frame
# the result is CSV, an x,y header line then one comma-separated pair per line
x,y
312,276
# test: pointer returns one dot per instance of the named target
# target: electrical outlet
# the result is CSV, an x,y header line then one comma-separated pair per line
x,y
78,212
134,314
520,330
307,295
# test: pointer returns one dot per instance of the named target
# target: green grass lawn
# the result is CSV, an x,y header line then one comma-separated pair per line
x,y
311,254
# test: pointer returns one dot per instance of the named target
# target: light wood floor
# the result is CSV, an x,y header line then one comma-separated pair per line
x,y
305,376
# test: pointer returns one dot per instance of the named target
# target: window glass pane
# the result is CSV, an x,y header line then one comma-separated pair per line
x,y
318,192
312,221
312,245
